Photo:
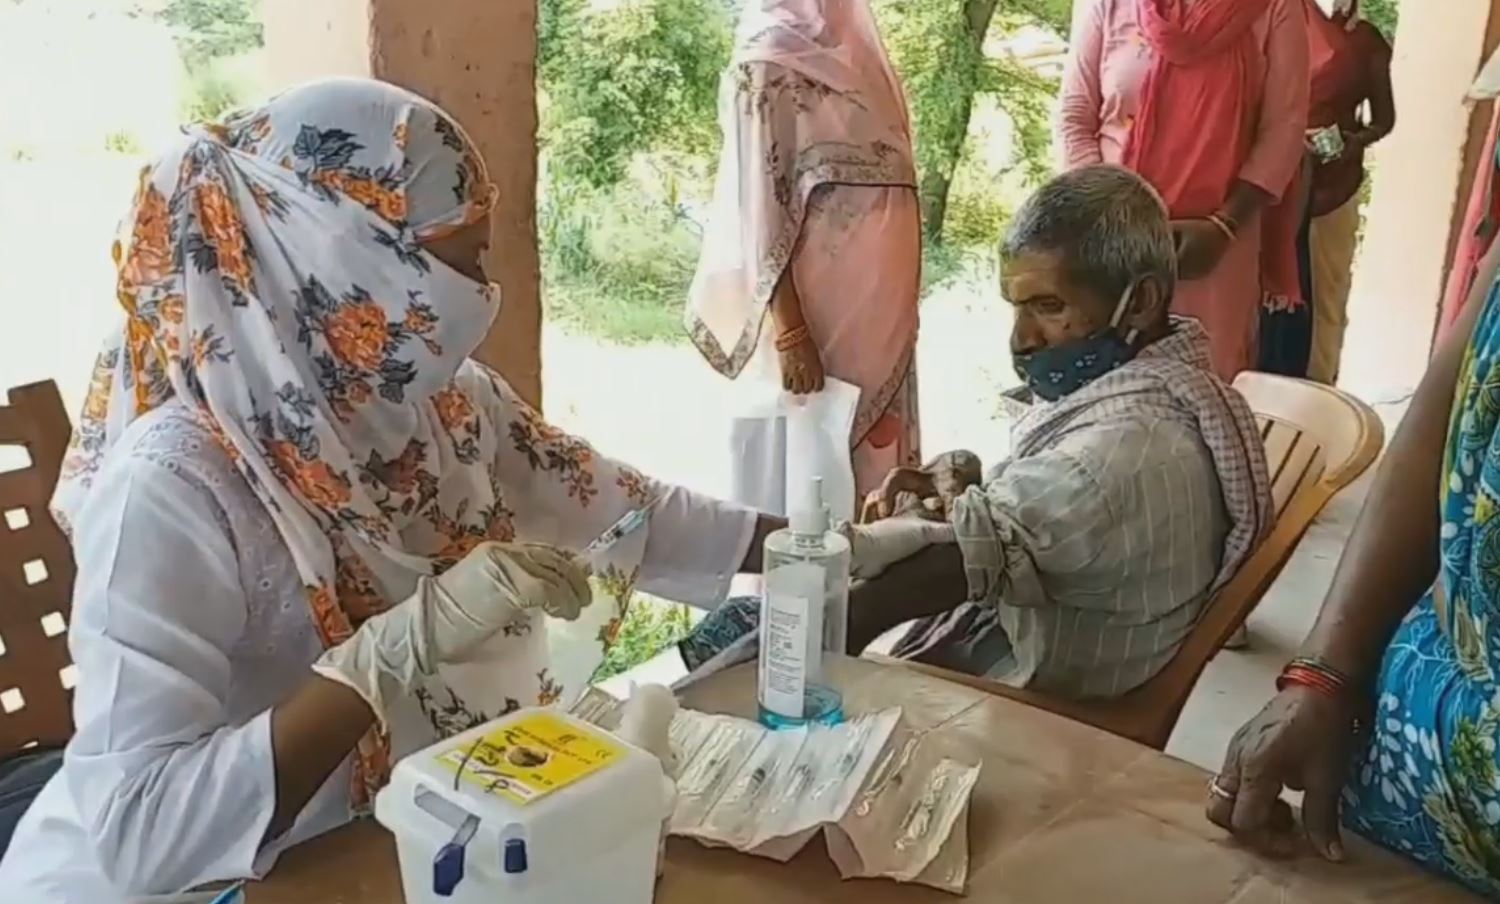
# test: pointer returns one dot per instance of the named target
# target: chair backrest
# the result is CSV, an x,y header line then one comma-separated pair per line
x,y
36,574
1318,441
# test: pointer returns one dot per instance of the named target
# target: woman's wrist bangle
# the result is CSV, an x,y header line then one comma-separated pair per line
x,y
1226,225
1315,675
791,338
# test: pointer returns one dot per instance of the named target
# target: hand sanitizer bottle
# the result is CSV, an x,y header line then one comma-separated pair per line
x,y
804,618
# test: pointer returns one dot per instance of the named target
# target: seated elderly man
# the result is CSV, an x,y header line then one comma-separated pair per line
x,y
1136,486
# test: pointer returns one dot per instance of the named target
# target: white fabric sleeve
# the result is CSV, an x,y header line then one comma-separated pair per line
x,y
564,492
172,795
695,548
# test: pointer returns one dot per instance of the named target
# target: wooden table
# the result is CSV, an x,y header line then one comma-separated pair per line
x,y
1062,813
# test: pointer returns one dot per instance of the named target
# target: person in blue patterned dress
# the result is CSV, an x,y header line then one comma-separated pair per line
x,y
1402,750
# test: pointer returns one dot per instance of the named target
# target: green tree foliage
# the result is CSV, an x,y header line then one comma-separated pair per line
x,y
641,75
1056,15
939,48
1384,14
214,28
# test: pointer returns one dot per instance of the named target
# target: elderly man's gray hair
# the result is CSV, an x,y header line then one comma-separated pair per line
x,y
1109,224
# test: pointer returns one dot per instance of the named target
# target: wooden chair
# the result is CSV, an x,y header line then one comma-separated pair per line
x,y
36,575
1318,441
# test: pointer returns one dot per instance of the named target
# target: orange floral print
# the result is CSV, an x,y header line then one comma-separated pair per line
x,y
634,484
332,624
403,474
208,346
419,319
454,410
386,202
550,691
142,355
357,593
359,393
224,232
319,386
171,309
318,483
392,206
216,429
496,523
456,548
247,135
609,632
268,201
539,429
149,256
547,448
358,333
96,403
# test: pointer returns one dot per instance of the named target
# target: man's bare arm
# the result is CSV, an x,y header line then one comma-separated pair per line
x,y
929,583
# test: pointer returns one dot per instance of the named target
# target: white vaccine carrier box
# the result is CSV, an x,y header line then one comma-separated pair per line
x,y
534,808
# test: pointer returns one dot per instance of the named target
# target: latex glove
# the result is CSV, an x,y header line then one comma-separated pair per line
x,y
646,722
876,547
495,585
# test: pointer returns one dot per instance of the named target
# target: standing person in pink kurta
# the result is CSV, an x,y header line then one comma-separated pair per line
x,y
812,256
1207,99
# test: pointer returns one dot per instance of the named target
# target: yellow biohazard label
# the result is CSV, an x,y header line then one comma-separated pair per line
x,y
532,757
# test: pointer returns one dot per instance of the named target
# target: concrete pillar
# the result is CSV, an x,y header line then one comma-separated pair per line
x,y
477,60
1423,172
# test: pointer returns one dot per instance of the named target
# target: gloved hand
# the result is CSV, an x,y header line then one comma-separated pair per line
x,y
448,616
876,547
646,722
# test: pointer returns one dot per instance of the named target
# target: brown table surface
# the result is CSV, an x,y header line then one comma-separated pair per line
x,y
1062,813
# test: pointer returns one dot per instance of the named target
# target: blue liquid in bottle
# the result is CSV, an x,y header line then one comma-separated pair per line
x,y
804,620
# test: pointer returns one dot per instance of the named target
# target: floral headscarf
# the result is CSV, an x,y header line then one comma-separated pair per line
x,y
272,279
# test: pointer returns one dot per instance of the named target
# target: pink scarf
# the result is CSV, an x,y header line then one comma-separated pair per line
x,y
1197,121
811,100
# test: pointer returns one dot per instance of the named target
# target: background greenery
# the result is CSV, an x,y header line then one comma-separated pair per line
x,y
630,136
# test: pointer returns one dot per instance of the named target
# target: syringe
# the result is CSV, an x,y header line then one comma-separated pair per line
x,y
628,524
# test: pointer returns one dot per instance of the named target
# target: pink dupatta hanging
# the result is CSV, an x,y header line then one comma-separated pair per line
x,y
810,101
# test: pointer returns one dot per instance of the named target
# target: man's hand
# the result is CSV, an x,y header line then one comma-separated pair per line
x,y
929,583
884,502
927,492
1201,245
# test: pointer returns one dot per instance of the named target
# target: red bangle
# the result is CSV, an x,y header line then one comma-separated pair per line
x,y
792,338
1314,675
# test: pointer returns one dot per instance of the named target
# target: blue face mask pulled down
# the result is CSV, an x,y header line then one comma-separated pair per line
x,y
1060,370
